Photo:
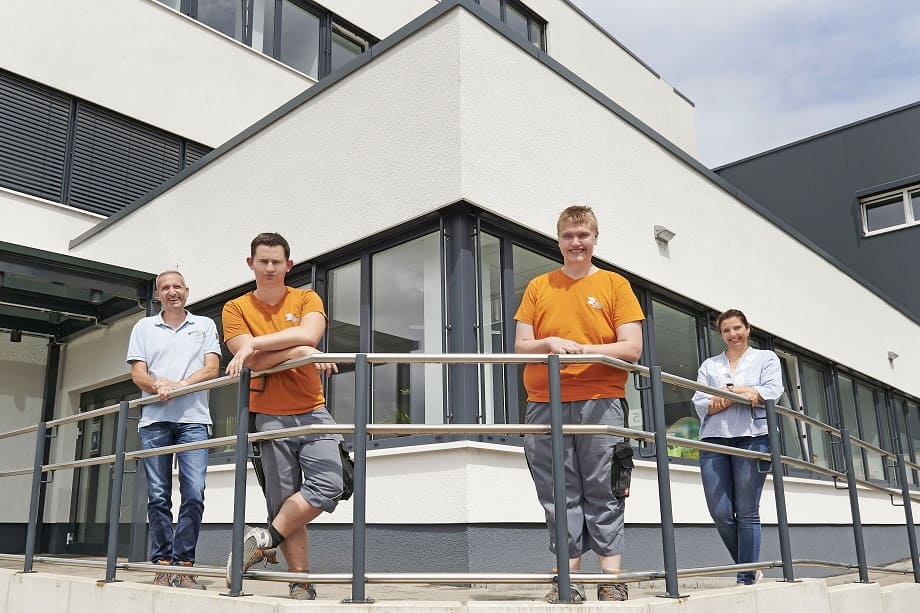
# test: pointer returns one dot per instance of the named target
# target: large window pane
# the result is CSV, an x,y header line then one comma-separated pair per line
x,y
526,265
815,397
493,6
173,4
870,431
885,213
792,430
406,313
343,336
913,423
915,204
344,49
223,400
516,20
300,39
677,352
263,26
225,16
850,422
492,321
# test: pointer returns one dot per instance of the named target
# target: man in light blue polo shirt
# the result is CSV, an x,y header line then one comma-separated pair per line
x,y
167,351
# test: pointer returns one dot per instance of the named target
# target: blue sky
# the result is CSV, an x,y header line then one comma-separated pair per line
x,y
768,72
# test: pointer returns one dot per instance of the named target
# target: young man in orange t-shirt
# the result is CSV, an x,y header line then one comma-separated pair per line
x,y
303,474
580,309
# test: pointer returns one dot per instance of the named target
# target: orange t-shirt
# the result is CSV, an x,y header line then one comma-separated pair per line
x,y
298,390
587,311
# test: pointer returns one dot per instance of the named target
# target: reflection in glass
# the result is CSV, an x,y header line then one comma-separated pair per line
x,y
406,318
792,431
870,431
343,336
526,265
516,20
536,34
677,353
493,6
885,213
343,50
915,204
173,4
815,396
913,422
492,339
263,26
225,16
300,39
848,412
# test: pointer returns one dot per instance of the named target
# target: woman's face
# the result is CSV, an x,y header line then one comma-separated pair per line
x,y
735,333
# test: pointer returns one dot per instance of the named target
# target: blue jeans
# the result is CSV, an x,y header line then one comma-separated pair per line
x,y
733,486
165,543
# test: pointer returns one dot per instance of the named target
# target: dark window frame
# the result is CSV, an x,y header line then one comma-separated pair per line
x,y
533,19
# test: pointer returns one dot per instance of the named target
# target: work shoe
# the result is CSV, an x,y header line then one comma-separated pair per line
x,y
256,548
164,579
612,591
189,582
302,591
577,592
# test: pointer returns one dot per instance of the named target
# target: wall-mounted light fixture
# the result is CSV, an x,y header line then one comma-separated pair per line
x,y
95,296
892,356
663,235
15,336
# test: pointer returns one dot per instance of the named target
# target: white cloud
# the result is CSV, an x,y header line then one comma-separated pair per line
x,y
768,72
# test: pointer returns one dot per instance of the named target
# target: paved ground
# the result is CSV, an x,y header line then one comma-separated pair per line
x,y
459,593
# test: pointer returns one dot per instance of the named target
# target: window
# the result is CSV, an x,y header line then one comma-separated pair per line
x,y
677,352
344,335
491,327
523,21
891,210
63,149
225,16
851,421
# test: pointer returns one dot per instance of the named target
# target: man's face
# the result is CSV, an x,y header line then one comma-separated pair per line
x,y
269,265
576,242
172,292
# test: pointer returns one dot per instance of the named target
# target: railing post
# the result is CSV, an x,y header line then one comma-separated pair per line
x,y
562,523
664,485
779,490
909,517
846,448
359,507
239,485
37,474
118,478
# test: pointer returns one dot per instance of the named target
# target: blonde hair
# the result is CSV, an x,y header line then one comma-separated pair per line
x,y
577,214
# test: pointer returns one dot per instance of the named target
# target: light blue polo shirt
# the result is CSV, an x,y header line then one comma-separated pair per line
x,y
174,355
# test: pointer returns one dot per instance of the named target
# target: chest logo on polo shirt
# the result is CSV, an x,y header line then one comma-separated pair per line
x,y
291,318
594,302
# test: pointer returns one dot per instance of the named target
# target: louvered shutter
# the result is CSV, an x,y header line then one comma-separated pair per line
x,y
194,152
33,137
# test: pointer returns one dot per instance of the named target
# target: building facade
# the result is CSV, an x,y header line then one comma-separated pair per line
x,y
416,155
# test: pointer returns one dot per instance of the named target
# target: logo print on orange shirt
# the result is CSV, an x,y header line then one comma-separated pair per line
x,y
291,318
594,302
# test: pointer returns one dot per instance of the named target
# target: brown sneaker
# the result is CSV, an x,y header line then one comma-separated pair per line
x,y
189,582
576,593
612,591
164,579
302,591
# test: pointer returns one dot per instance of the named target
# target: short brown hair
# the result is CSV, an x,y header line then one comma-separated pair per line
x,y
728,315
169,272
270,239
577,214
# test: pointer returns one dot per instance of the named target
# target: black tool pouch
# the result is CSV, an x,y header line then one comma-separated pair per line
x,y
348,473
621,469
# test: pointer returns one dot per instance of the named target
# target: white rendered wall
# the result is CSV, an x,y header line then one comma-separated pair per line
x,y
544,145
41,224
139,58
380,147
22,379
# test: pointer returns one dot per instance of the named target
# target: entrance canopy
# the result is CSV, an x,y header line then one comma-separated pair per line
x,y
54,295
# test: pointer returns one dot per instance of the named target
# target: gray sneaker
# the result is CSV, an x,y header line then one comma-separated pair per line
x,y
256,548
302,591
577,593
612,592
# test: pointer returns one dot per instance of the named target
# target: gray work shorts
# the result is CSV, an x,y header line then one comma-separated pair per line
x,y
308,464
594,514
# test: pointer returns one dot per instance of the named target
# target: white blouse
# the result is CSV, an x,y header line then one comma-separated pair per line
x,y
757,368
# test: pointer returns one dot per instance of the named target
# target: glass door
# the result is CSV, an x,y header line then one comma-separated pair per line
x,y
92,485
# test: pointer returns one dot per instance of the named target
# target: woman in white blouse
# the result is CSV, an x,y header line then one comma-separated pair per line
x,y
733,484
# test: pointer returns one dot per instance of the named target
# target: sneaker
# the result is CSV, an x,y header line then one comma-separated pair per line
x,y
577,593
164,579
189,582
302,591
256,548
612,592
758,577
